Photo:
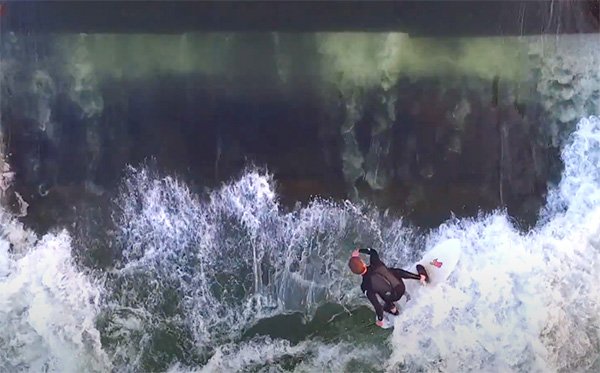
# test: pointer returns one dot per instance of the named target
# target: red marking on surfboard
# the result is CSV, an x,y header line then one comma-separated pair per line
x,y
436,263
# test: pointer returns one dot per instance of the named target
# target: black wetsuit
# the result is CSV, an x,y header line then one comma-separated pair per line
x,y
385,282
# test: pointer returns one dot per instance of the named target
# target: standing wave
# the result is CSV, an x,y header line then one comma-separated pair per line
x,y
195,272
206,270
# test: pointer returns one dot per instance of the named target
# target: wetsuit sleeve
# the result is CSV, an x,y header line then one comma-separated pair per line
x,y
400,273
374,255
378,308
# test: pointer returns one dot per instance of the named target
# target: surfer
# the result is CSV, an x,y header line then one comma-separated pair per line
x,y
379,280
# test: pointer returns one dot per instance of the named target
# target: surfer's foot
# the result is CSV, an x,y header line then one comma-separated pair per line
x,y
424,278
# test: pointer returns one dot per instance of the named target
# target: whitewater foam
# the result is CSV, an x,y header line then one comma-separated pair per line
x,y
267,355
208,268
517,302
218,265
48,307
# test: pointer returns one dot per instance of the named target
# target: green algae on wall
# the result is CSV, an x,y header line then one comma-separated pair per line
x,y
369,60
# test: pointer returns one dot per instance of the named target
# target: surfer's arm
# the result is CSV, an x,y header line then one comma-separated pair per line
x,y
372,253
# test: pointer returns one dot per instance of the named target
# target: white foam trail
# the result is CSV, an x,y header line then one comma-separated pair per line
x,y
48,308
266,355
517,302
235,358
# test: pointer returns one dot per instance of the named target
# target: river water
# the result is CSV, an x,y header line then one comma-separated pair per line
x,y
185,271
196,274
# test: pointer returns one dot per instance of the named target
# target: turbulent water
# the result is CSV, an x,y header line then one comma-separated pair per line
x,y
194,273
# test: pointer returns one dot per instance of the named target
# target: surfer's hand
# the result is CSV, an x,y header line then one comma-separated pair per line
x,y
423,279
379,323
355,253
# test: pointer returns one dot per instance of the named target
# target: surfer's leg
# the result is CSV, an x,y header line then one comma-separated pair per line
x,y
390,303
400,273
390,307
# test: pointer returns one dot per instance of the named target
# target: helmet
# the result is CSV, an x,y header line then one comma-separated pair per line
x,y
357,266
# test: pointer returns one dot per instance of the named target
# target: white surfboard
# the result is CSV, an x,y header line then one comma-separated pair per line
x,y
439,263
